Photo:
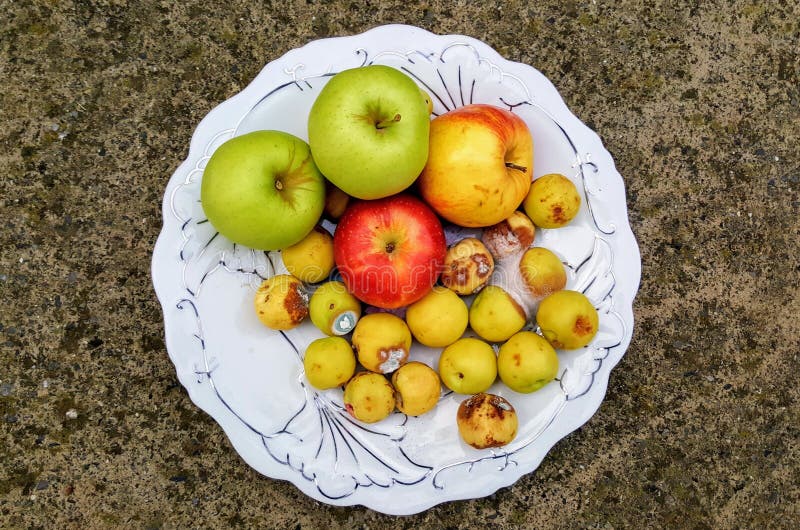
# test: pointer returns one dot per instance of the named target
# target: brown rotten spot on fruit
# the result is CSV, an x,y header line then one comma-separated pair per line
x,y
468,265
557,212
510,236
392,358
486,420
281,302
552,201
296,304
583,326
568,319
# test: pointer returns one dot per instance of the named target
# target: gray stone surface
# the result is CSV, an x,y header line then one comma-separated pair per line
x,y
697,101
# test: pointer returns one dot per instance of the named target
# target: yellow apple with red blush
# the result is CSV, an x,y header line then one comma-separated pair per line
x,y
480,165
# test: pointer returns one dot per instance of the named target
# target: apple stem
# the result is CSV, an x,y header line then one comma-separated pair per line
x,y
278,185
385,123
515,166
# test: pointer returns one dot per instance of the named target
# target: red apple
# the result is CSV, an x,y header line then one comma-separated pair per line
x,y
389,251
480,165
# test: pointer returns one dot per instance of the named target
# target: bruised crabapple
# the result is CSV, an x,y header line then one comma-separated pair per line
x,y
281,302
417,388
329,362
369,397
468,265
486,420
495,315
333,309
510,236
542,272
568,320
382,342
526,362
552,201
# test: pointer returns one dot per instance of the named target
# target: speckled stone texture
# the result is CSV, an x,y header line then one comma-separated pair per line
x,y
697,101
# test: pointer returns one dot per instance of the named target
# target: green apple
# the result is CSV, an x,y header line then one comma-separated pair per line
x,y
368,131
263,190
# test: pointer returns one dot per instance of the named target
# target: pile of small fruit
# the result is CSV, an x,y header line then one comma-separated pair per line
x,y
391,179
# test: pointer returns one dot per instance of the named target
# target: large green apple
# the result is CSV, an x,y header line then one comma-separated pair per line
x,y
368,131
263,190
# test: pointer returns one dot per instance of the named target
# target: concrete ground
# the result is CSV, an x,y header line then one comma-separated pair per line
x,y
698,102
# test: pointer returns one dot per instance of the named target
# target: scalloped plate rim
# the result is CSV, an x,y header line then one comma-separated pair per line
x,y
230,424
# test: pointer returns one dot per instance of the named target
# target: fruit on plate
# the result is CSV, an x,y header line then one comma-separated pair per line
x,y
542,272
439,318
488,152
495,315
417,388
368,131
389,251
568,319
526,362
335,201
468,366
382,342
508,241
552,201
369,397
487,420
510,237
427,99
263,190
468,265
311,259
281,302
333,309
329,362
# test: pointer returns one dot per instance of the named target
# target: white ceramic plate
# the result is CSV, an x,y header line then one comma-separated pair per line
x,y
250,379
